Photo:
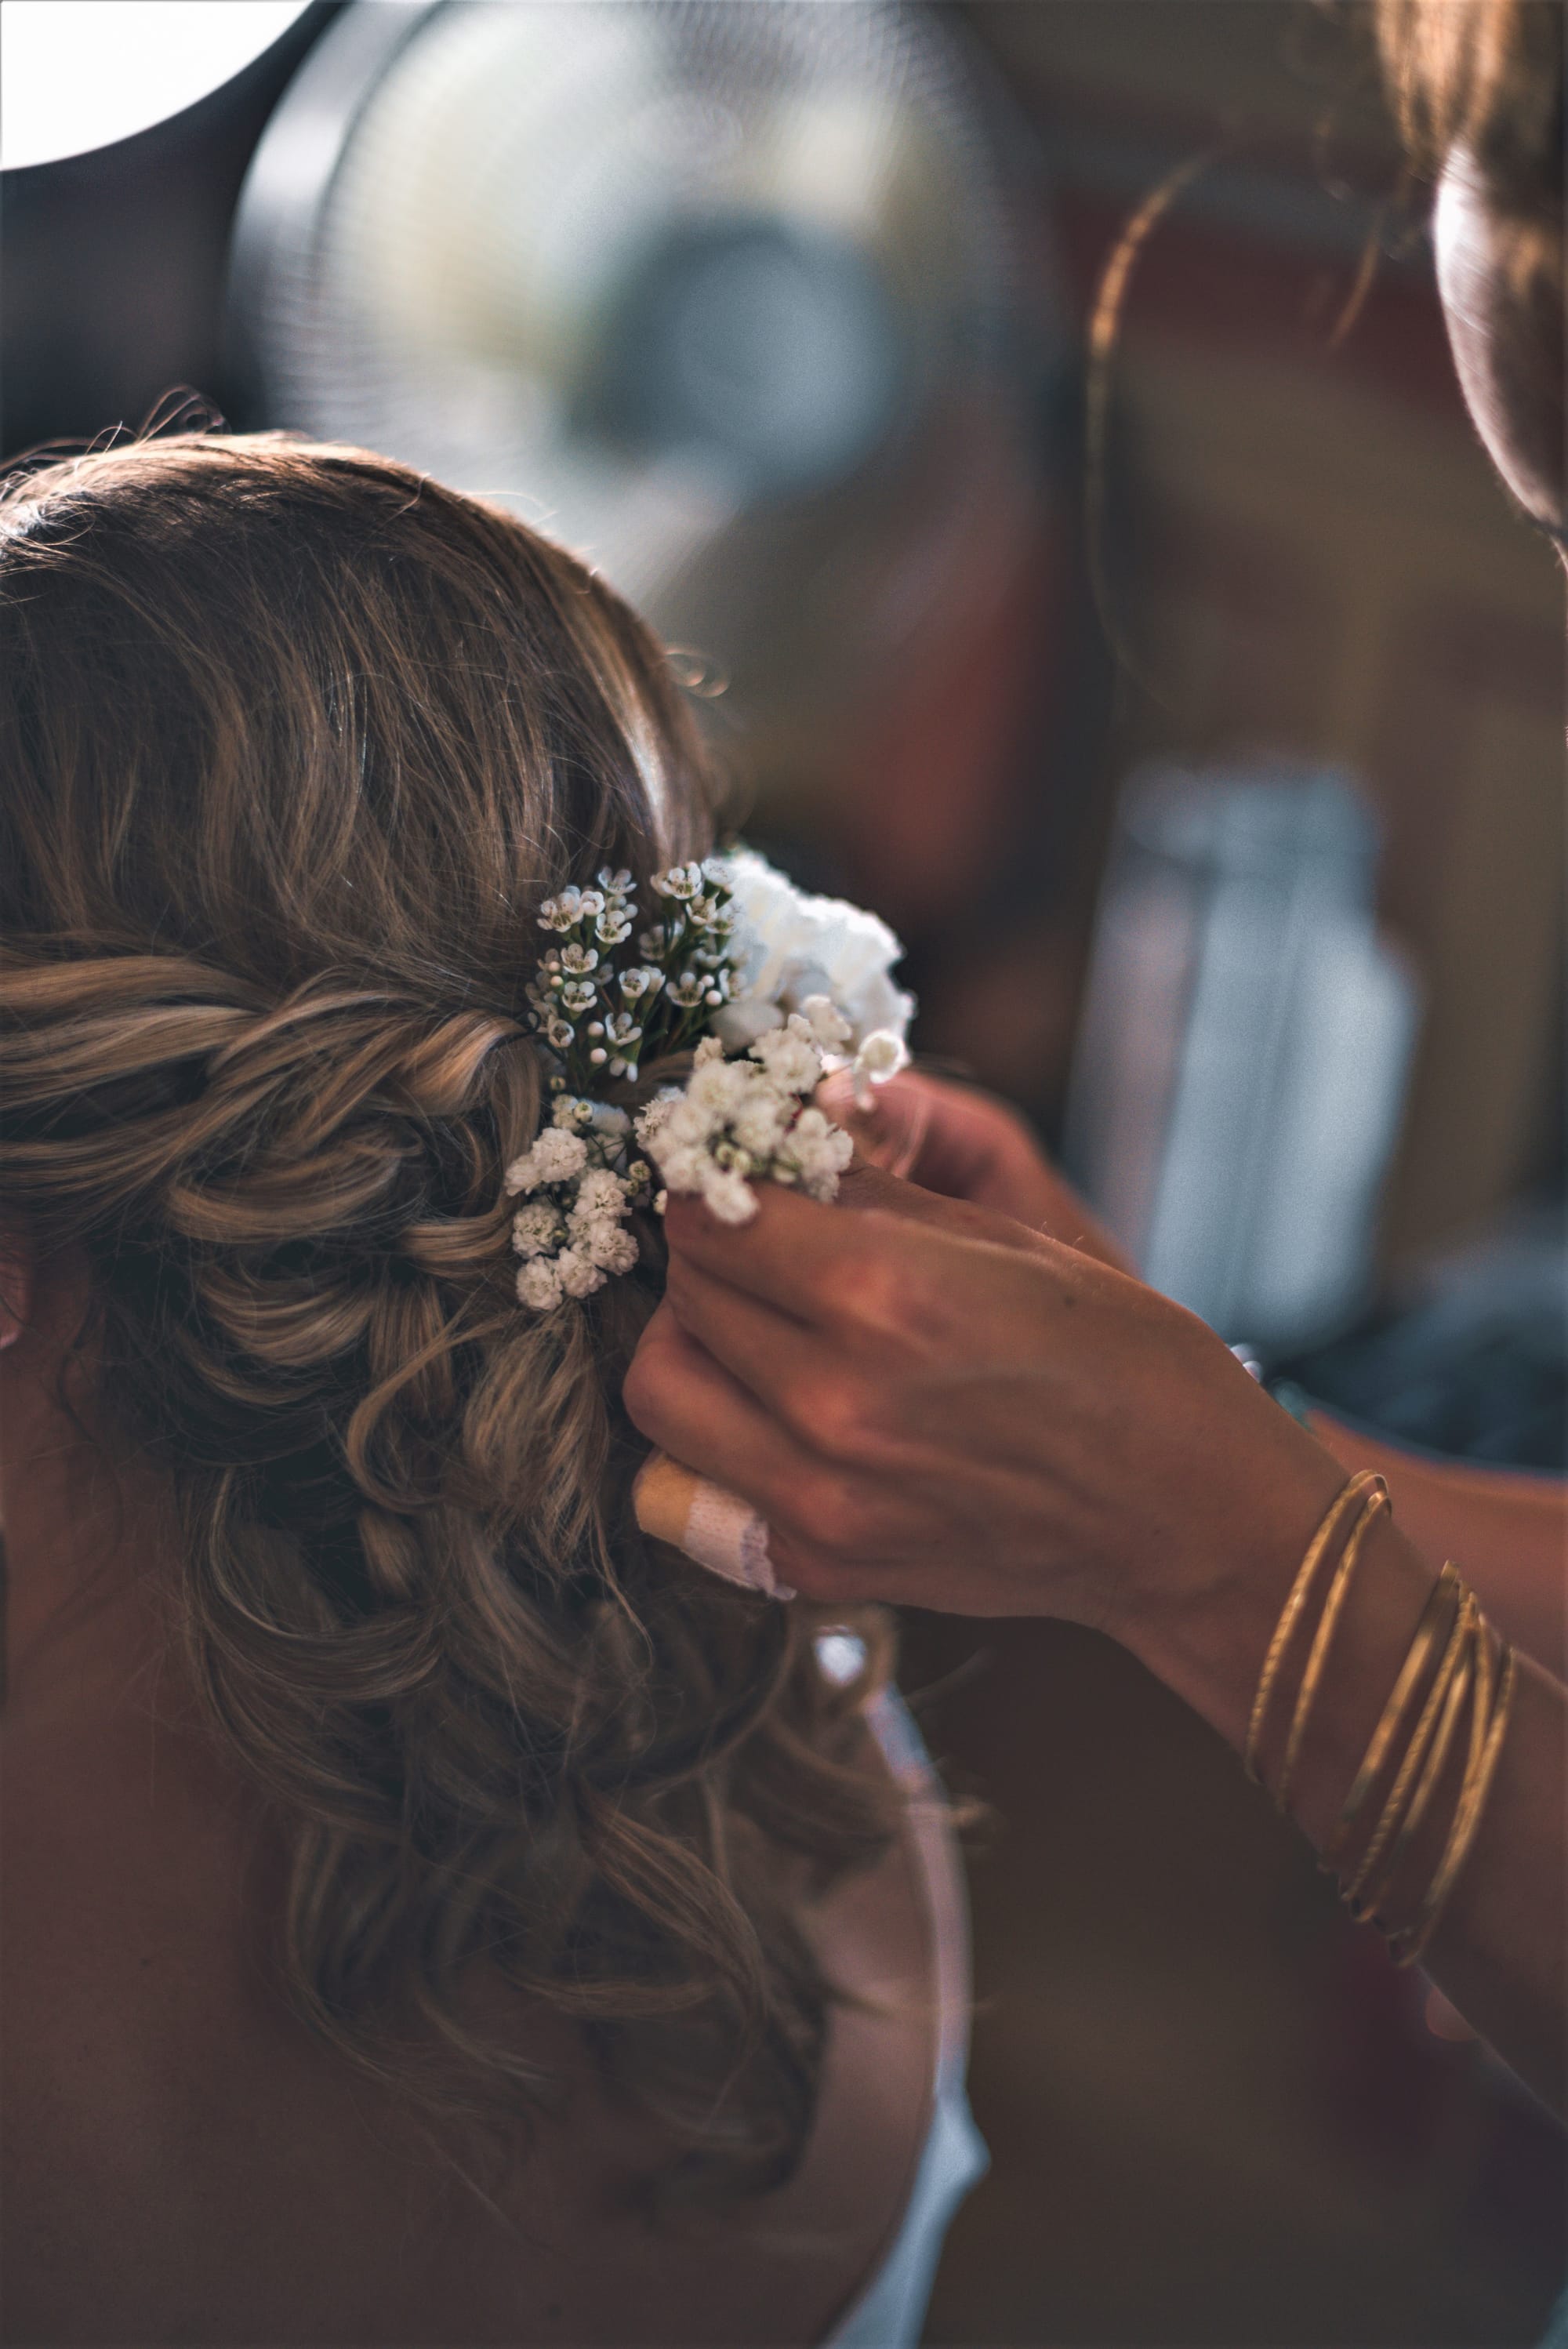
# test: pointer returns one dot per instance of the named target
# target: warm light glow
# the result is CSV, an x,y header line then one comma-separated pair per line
x,y
79,73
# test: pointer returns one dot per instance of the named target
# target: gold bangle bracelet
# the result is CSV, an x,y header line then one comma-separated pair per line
x,y
1398,1794
1338,1591
1300,1590
1457,1690
1427,1634
1412,1946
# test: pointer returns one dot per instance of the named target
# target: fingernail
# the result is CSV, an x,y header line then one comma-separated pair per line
x,y
714,1529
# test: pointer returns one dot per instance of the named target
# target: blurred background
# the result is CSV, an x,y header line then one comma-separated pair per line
x,y
1156,651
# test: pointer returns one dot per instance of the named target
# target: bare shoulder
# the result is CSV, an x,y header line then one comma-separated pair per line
x,y
180,2159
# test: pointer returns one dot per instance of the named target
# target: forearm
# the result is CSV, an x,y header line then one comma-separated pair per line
x,y
1499,1951
1507,1531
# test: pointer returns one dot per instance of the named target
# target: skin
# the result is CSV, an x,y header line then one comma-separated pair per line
x,y
957,1397
180,2160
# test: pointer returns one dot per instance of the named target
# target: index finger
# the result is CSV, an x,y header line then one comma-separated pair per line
x,y
788,1256
796,1252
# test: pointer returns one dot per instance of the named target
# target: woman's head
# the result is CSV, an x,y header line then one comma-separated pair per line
x,y
1478,87
292,743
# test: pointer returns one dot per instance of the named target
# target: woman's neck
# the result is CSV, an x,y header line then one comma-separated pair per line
x,y
90,1544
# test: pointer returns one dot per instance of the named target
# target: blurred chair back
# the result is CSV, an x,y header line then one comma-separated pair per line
x,y
1242,1066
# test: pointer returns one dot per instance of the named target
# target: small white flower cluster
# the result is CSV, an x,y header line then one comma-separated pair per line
x,y
742,962
737,1123
578,986
572,1234
602,1006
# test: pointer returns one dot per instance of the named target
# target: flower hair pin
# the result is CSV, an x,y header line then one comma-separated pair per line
x,y
768,988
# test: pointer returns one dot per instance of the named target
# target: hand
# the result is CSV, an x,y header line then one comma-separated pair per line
x,y
927,1402
967,1145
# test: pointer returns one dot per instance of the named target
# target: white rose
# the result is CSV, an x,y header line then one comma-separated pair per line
x,y
789,946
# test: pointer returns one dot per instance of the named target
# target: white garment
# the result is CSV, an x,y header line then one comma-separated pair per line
x,y
888,2310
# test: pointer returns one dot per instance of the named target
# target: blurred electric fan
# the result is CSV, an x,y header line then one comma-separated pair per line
x,y
718,294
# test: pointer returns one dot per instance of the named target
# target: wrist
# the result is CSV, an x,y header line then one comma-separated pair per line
x,y
1205,1633
1210,1652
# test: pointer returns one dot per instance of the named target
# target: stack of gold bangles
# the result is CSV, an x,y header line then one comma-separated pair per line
x,y
1457,1673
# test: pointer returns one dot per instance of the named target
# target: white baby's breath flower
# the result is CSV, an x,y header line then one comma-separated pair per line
x,y
579,960
684,1161
555,1157
743,1119
820,1152
600,1192
538,1285
789,1056
881,1056
655,1115
682,882
828,1025
761,1121
609,1246
536,1228
716,1089
726,1195
578,1276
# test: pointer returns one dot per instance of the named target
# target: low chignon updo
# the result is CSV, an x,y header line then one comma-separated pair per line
x,y
293,742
